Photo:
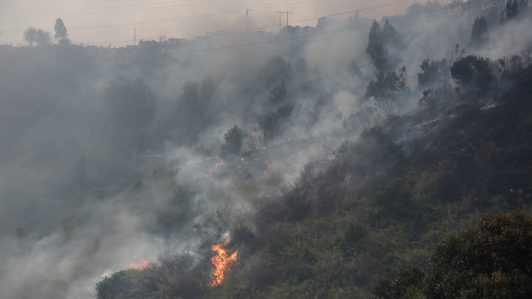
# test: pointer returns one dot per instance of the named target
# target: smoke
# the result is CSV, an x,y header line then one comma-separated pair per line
x,y
90,184
113,22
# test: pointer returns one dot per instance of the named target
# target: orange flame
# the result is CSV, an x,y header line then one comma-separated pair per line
x,y
222,261
142,265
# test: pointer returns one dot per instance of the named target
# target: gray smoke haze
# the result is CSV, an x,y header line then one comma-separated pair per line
x,y
91,184
112,22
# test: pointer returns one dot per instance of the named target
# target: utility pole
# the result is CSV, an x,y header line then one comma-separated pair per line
x,y
280,20
287,14
247,19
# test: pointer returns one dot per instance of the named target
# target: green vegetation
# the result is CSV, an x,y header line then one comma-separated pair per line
x,y
384,204
387,203
492,262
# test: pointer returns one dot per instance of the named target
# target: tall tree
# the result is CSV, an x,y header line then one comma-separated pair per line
x,y
131,106
387,85
494,261
375,47
234,138
479,34
382,43
473,74
434,74
37,36
61,32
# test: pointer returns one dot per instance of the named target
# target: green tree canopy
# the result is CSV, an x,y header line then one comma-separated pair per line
x,y
494,261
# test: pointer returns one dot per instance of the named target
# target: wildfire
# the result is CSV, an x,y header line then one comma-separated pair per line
x,y
222,261
142,265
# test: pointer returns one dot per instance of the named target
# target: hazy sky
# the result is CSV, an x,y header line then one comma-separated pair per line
x,y
113,21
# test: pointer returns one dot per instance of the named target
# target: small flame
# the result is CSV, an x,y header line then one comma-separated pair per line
x,y
142,265
222,261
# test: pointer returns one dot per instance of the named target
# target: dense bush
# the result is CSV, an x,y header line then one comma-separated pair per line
x,y
494,261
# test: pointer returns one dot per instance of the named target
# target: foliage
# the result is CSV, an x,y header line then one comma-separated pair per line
x,y
38,37
474,75
408,285
193,115
491,262
382,46
171,280
383,204
434,73
233,139
61,33
480,32
387,85
514,8
131,109
271,123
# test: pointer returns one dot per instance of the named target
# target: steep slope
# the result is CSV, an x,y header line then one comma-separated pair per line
x,y
383,203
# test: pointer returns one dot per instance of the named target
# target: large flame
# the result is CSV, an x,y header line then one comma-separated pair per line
x,y
222,261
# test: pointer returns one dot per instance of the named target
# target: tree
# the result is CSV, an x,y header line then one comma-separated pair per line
x,y
275,72
433,74
278,94
131,109
494,261
387,85
29,35
511,9
61,33
197,111
473,74
390,35
234,138
375,47
37,36
272,123
407,285
381,46
479,34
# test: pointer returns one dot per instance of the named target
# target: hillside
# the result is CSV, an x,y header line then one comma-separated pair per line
x,y
352,158
382,204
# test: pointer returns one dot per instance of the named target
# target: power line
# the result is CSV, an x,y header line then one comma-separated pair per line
x,y
129,6
224,14
129,24
93,11
295,21
63,2
397,20
256,8
311,35
287,13
272,25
